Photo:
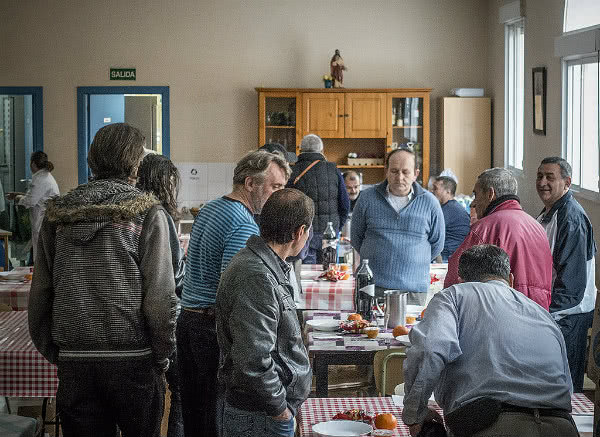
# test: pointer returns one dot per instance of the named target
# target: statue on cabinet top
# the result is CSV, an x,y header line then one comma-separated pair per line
x,y
337,70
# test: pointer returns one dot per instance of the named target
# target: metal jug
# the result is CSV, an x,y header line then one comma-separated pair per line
x,y
395,308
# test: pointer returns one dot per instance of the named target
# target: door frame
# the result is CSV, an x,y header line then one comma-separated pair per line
x,y
37,115
83,93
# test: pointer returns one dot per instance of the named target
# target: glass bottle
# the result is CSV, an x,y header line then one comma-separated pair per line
x,y
364,293
329,246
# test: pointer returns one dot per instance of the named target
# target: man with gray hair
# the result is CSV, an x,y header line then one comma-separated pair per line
x,y
503,222
571,238
495,360
320,180
220,230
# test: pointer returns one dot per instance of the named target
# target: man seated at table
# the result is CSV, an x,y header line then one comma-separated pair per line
x,y
495,360
264,364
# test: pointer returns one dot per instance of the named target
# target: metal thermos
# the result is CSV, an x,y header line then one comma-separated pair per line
x,y
395,308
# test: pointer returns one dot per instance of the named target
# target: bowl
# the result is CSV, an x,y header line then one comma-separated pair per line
x,y
324,324
371,331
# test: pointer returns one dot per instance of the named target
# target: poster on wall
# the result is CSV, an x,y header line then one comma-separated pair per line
x,y
539,100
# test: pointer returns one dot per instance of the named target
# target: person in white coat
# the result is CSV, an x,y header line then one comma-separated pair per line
x,y
43,187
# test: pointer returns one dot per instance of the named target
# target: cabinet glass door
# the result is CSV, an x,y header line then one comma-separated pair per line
x,y
407,127
280,121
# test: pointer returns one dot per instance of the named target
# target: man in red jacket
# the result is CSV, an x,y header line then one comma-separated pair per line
x,y
503,222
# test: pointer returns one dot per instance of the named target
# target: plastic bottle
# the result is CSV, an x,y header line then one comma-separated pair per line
x,y
364,293
329,246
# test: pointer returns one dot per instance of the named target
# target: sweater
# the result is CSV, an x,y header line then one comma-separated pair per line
x,y
399,245
220,230
458,224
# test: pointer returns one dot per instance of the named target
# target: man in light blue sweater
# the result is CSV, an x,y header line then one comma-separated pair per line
x,y
399,227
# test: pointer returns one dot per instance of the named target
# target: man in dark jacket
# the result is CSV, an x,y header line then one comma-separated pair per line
x,y
264,364
571,239
320,180
102,303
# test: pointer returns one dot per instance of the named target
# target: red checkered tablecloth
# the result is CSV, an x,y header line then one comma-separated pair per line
x,y
318,294
24,372
581,404
316,410
15,294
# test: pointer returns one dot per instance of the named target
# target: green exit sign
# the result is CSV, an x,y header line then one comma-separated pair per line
x,y
122,74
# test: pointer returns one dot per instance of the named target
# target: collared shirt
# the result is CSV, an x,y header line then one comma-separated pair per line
x,y
399,202
485,339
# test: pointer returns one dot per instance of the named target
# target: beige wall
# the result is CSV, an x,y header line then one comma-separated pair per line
x,y
543,22
212,53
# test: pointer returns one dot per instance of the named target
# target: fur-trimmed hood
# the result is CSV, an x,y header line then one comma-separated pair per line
x,y
99,201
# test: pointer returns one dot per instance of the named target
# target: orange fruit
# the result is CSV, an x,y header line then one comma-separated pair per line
x,y
346,276
399,330
386,421
355,316
423,313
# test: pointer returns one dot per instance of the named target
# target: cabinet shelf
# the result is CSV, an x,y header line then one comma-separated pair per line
x,y
280,127
360,166
407,127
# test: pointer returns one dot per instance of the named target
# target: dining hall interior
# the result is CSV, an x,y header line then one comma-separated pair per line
x,y
492,83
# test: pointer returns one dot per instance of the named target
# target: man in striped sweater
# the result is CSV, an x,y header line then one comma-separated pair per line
x,y
220,230
399,228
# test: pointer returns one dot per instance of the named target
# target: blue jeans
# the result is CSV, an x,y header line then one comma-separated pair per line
x,y
241,423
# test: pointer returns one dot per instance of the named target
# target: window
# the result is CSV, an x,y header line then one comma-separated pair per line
x,y
514,92
580,124
580,14
579,49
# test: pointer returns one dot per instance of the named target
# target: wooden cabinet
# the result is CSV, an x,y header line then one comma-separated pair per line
x,y
323,114
369,122
466,138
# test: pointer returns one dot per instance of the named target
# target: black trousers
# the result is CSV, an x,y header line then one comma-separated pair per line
x,y
575,329
94,397
198,357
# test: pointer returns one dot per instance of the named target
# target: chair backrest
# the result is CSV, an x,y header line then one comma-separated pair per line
x,y
387,366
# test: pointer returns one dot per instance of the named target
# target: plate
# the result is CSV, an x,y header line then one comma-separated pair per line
x,y
324,324
342,428
13,275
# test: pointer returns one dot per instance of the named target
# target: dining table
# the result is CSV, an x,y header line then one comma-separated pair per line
x,y
321,294
25,372
316,410
328,348
15,294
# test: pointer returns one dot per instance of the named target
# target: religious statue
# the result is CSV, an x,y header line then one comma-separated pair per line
x,y
337,70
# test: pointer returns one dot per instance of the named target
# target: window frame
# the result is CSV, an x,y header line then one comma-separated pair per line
x,y
514,117
566,62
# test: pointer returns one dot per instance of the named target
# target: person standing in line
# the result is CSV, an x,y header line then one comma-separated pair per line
x,y
399,227
353,187
102,301
456,218
571,238
502,221
43,187
220,230
159,176
320,180
265,366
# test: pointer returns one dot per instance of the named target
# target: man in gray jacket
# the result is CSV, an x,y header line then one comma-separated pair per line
x,y
264,364
102,303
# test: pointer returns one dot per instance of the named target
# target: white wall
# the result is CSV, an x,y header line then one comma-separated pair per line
x,y
213,53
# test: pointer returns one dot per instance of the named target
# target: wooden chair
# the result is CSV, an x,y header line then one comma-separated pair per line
x,y
387,366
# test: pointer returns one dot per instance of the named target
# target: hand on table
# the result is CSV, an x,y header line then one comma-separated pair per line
x,y
14,196
432,416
